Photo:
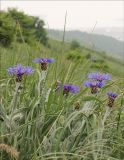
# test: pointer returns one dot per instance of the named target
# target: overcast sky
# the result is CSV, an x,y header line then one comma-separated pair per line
x,y
80,14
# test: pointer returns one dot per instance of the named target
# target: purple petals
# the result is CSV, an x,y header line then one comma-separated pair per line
x,y
19,70
99,76
112,95
100,84
87,84
29,70
98,81
43,60
11,70
111,98
71,88
67,88
94,84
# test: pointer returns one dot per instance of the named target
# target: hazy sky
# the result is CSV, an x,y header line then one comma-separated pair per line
x,y
80,14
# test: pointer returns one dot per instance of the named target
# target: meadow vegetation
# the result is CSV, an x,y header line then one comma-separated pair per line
x,y
44,116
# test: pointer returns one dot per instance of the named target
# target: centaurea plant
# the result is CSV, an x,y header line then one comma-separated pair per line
x,y
111,97
44,65
18,71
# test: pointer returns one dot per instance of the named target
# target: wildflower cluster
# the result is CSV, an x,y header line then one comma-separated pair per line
x,y
96,80
19,70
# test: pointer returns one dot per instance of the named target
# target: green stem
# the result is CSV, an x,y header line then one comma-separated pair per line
x,y
41,82
107,113
14,100
13,105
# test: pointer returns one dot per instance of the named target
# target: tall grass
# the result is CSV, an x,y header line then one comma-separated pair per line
x,y
49,125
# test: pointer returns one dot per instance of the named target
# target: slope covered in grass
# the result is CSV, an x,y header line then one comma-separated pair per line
x,y
48,110
45,124
108,44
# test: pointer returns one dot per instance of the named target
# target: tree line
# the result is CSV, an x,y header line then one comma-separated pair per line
x,y
17,25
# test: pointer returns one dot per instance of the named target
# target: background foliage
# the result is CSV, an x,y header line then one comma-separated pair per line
x,y
52,126
32,28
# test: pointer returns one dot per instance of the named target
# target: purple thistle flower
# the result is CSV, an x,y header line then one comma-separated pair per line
x,y
111,97
67,88
43,62
19,71
94,85
99,76
70,88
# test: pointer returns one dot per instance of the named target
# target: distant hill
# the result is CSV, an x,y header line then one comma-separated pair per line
x,y
97,42
115,32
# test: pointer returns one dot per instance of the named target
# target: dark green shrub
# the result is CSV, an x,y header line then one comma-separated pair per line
x,y
75,44
24,27
74,55
88,56
7,29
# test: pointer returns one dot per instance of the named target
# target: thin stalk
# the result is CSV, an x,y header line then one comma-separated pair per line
x,y
42,78
119,115
63,39
14,100
107,113
13,105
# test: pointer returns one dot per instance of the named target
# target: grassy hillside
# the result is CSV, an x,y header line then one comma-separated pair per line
x,y
97,60
48,110
98,42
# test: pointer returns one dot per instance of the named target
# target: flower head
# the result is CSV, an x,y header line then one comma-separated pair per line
x,y
111,97
70,88
44,62
66,88
19,71
99,76
94,85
